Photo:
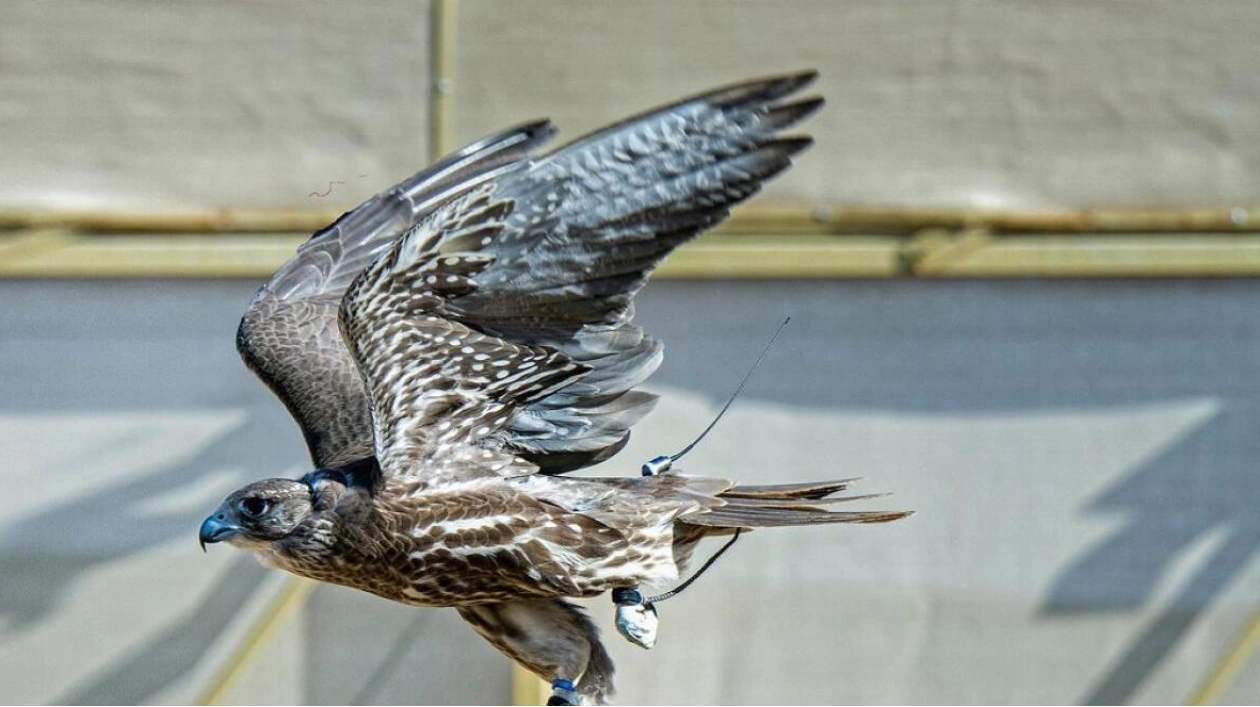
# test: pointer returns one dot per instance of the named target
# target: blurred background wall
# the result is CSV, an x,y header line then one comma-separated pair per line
x,y
1081,452
229,104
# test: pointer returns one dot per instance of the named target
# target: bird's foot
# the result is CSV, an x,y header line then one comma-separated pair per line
x,y
636,618
563,692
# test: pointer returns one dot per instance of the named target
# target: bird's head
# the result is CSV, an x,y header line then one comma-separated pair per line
x,y
258,514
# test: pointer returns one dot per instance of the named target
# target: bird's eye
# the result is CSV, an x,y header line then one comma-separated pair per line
x,y
255,506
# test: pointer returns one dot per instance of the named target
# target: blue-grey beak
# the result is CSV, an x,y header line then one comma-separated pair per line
x,y
217,528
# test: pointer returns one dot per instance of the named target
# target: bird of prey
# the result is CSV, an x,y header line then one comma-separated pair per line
x,y
454,345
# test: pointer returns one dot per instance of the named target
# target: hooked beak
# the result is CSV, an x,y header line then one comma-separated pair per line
x,y
215,529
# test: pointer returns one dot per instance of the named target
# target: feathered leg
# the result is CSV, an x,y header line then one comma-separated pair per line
x,y
553,638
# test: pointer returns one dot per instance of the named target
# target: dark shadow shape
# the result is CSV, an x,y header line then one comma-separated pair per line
x,y
390,664
1150,647
909,345
1168,504
362,649
43,556
174,653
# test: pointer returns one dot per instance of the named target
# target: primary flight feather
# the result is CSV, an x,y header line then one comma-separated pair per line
x,y
455,343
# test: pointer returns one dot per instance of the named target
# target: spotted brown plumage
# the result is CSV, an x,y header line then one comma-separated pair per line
x,y
452,346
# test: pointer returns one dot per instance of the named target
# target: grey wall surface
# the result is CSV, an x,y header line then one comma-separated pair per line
x,y
1081,457
141,104
992,104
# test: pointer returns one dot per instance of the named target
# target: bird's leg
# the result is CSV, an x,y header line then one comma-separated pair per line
x,y
554,639
564,692
636,617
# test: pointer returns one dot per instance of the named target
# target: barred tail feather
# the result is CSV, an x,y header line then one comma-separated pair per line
x,y
813,489
787,505
754,517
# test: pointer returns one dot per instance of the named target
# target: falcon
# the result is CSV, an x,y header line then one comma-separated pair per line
x,y
454,345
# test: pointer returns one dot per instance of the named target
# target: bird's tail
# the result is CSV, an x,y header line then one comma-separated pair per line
x,y
787,504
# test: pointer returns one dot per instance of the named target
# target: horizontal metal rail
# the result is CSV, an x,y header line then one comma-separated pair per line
x,y
764,242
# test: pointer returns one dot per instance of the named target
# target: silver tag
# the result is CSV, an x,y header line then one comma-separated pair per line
x,y
637,623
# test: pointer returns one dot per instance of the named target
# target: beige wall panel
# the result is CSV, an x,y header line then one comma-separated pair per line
x,y
143,104
931,103
134,104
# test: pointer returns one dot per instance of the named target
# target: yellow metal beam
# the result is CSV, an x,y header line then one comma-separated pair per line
x,y
720,256
25,245
444,20
1224,673
215,256
760,217
765,242
528,688
284,605
934,251
135,256
1145,255
1092,220
971,254
174,221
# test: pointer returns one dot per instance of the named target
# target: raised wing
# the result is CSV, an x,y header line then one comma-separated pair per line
x,y
439,387
289,335
532,275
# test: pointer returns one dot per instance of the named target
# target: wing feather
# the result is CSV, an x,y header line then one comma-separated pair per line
x,y
289,335
591,221
521,260
439,389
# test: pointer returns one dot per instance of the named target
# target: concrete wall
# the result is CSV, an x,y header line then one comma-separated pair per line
x,y
138,104
1081,455
1081,459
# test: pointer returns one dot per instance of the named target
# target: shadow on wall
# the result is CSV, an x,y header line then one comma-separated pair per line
x,y
113,523
962,346
1174,501
171,656
363,649
985,346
